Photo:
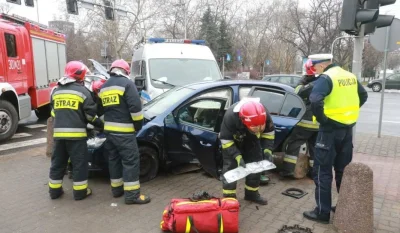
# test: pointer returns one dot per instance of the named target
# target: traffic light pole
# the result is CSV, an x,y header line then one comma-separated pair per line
x,y
357,60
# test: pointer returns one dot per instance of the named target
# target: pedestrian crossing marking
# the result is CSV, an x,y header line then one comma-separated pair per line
x,y
15,145
21,135
35,126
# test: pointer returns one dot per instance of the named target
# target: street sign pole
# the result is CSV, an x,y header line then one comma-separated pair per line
x,y
357,60
263,70
384,80
223,66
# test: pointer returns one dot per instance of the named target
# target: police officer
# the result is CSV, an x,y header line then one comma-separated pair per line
x,y
247,135
72,108
122,118
335,101
306,130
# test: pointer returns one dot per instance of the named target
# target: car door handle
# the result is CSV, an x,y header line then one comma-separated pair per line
x,y
205,144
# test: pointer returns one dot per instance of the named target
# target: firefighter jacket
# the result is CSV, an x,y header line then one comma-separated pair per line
x,y
233,133
304,90
121,105
72,108
336,98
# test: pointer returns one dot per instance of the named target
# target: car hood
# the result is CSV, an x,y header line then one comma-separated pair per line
x,y
100,68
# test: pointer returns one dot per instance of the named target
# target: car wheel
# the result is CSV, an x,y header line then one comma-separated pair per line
x,y
8,120
149,163
376,87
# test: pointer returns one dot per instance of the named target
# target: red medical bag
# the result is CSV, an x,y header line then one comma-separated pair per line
x,y
217,215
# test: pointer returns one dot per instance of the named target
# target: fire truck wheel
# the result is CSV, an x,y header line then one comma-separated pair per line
x,y
149,163
43,113
8,120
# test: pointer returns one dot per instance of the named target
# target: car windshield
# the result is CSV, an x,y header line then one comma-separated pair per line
x,y
164,101
180,72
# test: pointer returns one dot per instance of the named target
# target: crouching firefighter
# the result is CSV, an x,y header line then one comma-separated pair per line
x,y
247,135
72,108
306,130
122,118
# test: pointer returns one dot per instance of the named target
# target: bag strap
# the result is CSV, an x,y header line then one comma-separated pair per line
x,y
220,223
190,225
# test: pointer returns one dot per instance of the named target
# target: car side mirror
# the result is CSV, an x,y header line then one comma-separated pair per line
x,y
140,82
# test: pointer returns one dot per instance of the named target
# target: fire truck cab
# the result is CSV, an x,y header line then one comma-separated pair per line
x,y
32,59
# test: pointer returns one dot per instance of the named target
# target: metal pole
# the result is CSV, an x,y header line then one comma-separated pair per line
x,y
37,10
384,80
357,60
185,16
263,69
223,66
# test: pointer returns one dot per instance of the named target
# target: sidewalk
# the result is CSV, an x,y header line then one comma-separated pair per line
x,y
26,207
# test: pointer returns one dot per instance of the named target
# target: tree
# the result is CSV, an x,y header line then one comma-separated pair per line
x,y
5,8
224,42
371,60
209,31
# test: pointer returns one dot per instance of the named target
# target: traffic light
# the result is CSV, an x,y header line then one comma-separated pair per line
x,y
15,1
72,7
108,10
382,20
354,15
30,3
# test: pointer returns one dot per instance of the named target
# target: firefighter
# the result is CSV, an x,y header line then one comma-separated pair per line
x,y
335,102
72,108
122,118
247,135
306,130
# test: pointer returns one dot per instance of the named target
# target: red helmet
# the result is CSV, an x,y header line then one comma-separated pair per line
x,y
253,116
121,64
310,70
96,85
76,70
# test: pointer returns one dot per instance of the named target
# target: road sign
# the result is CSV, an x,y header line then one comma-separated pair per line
x,y
228,57
378,39
267,62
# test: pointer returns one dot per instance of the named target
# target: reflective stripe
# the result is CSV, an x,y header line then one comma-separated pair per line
x,y
73,94
188,225
130,186
290,159
221,229
314,119
268,151
117,182
297,89
226,191
251,188
308,124
80,182
119,127
69,132
55,184
80,187
269,135
137,116
112,90
227,143
102,118
89,117
52,113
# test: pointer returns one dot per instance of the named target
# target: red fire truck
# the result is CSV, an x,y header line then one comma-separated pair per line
x,y
32,59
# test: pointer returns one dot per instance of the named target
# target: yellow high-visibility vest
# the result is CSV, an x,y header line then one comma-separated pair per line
x,y
342,104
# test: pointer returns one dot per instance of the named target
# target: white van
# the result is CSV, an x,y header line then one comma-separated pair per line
x,y
159,64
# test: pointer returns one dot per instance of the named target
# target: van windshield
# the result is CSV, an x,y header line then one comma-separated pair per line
x,y
180,72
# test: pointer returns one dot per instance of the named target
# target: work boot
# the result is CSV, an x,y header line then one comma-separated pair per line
x,y
117,191
141,200
254,196
229,196
56,194
333,209
314,216
88,193
264,179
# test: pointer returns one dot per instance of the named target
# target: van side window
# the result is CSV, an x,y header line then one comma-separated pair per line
x,y
11,45
136,68
143,69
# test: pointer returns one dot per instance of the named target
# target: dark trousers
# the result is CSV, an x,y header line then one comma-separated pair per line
x,y
334,148
124,164
77,151
251,152
297,138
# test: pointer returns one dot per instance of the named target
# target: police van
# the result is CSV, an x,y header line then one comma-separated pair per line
x,y
160,64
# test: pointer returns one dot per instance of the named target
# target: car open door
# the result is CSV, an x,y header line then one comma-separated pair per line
x,y
190,132
286,109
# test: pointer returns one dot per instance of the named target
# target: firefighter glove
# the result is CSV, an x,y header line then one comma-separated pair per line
x,y
240,161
